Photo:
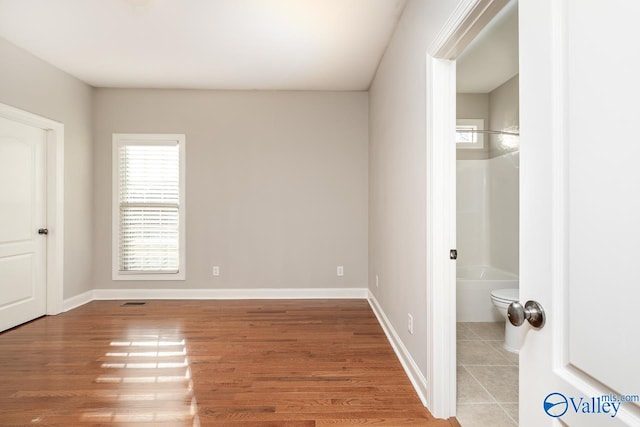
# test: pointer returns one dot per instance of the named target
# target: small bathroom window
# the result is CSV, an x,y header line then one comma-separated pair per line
x,y
466,135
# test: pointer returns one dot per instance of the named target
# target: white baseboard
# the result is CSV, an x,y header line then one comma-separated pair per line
x,y
77,301
410,367
218,294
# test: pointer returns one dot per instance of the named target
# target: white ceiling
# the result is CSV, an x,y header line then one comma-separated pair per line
x,y
207,44
492,57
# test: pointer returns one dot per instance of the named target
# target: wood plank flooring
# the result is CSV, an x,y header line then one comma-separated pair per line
x,y
207,363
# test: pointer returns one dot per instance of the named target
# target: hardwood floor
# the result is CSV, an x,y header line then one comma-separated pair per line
x,y
207,363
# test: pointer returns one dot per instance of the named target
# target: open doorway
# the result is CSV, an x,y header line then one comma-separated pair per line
x,y
487,223
463,27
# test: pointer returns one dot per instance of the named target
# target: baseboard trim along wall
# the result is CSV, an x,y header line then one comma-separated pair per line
x,y
77,301
416,377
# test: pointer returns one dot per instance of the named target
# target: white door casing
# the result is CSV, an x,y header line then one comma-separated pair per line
x,y
466,22
579,211
53,176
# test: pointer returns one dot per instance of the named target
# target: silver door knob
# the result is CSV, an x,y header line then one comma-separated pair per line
x,y
532,311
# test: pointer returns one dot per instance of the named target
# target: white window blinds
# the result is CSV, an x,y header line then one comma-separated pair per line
x,y
149,208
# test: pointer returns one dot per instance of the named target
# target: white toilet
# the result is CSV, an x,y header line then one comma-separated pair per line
x,y
501,298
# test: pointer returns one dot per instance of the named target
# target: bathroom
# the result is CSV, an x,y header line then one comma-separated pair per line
x,y
487,201
487,173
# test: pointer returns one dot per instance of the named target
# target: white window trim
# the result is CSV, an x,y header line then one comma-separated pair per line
x,y
118,140
477,124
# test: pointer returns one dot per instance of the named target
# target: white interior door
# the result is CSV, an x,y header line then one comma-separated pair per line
x,y
580,211
22,212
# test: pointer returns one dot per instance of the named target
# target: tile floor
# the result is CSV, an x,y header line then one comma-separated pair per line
x,y
487,377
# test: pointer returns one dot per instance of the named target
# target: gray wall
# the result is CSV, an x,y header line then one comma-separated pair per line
x,y
500,111
276,184
504,114
398,174
473,106
504,183
35,86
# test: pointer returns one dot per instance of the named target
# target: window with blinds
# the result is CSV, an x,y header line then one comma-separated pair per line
x,y
148,207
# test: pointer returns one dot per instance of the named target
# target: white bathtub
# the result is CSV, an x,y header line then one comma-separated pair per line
x,y
473,290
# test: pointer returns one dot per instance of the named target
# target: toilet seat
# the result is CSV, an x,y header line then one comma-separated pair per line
x,y
505,295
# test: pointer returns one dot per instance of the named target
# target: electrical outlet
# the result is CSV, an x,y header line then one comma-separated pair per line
x,y
216,270
377,282
410,323
340,271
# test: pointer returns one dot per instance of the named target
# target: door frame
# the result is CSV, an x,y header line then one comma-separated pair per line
x,y
54,176
464,24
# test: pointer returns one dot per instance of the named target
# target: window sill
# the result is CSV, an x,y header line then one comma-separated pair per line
x,y
149,276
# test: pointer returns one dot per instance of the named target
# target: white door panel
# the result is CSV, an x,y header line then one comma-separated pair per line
x,y
16,193
580,206
22,213
16,269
